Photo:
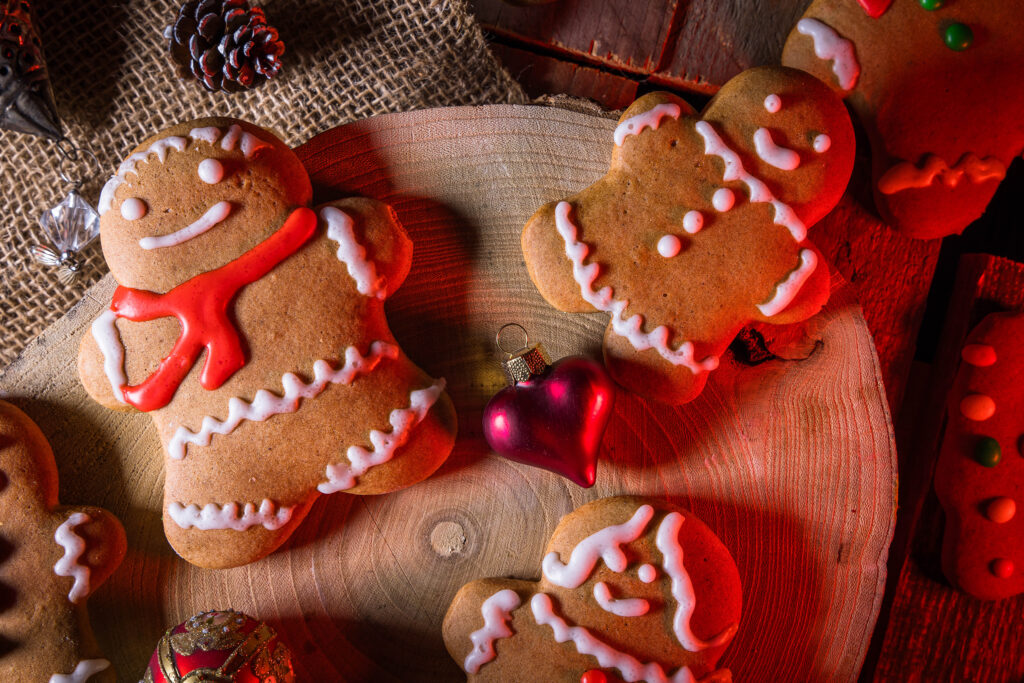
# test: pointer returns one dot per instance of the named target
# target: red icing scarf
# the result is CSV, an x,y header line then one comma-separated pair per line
x,y
201,306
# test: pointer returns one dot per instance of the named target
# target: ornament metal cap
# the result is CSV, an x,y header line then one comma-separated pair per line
x,y
526,362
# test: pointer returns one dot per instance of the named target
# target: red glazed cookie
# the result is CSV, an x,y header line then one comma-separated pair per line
x,y
252,328
52,557
630,589
939,92
980,475
699,227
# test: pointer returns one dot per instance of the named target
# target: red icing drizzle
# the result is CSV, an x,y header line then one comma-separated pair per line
x,y
201,306
875,8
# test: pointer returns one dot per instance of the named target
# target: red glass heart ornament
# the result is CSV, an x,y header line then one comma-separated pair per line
x,y
553,420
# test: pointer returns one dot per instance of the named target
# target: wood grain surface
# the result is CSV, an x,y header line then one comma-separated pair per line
x,y
791,462
934,631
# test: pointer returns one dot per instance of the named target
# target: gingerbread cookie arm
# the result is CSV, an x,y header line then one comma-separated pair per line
x,y
98,370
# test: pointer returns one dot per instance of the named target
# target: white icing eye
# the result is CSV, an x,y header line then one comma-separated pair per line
x,y
647,573
211,171
773,103
669,246
822,143
723,199
693,221
133,209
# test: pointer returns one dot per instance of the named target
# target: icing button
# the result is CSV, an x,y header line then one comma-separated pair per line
x,y
693,221
979,355
1001,567
987,452
958,37
669,246
723,199
1001,510
977,407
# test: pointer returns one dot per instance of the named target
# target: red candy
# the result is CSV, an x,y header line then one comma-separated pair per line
x,y
1002,567
875,8
594,676
201,306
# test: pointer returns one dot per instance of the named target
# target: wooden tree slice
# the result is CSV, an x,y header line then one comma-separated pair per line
x,y
791,462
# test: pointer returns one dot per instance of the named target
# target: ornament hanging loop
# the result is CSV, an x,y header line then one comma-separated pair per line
x,y
527,361
71,156
501,333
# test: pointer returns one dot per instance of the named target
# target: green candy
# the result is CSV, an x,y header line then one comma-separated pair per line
x,y
987,452
932,5
958,36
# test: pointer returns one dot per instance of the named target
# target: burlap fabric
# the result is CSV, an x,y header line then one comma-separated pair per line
x,y
344,60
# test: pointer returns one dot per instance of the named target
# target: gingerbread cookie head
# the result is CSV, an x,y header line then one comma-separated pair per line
x,y
699,227
979,478
937,87
262,351
195,197
53,558
640,589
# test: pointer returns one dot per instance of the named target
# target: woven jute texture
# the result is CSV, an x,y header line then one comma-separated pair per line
x,y
344,60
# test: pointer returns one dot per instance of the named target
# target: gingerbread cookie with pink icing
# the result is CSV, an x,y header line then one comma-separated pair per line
x,y
52,557
251,327
630,588
938,88
979,478
699,227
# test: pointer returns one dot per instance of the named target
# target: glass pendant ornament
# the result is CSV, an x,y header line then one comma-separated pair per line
x,y
551,416
70,226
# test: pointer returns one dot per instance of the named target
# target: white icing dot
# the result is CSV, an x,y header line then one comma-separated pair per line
x,y
133,209
822,143
723,199
773,103
693,221
647,573
669,246
211,171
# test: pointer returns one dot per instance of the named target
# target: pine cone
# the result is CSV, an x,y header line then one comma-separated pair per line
x,y
224,44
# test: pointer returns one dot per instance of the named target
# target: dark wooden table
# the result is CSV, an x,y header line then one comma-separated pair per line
x,y
611,51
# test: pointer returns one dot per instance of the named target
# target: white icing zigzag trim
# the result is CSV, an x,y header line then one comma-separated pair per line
x,y
234,138
787,290
651,118
74,547
228,516
586,643
342,476
585,276
759,192
82,672
601,545
906,175
830,45
265,404
667,541
104,331
496,610
353,254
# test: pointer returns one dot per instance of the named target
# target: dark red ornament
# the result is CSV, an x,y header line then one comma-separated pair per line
x,y
551,416
220,647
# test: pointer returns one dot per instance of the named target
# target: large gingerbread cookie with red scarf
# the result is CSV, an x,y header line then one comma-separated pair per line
x,y
938,87
631,589
251,328
52,557
699,227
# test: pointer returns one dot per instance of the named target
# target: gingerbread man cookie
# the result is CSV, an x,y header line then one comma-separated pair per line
x,y
939,89
52,557
630,588
252,329
979,478
699,227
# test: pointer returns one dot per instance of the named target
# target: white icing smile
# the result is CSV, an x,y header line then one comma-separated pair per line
x,y
622,607
229,516
214,215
